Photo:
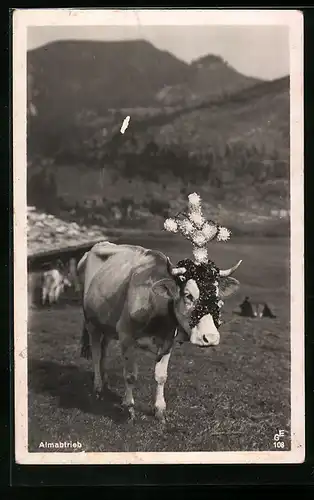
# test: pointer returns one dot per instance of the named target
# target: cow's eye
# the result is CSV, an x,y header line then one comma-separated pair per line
x,y
189,296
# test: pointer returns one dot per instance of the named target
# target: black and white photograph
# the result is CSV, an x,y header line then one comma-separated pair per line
x,y
158,236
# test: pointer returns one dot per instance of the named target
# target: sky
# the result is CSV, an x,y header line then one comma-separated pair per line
x,y
258,51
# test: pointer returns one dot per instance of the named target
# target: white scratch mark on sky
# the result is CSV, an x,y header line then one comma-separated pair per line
x,y
125,124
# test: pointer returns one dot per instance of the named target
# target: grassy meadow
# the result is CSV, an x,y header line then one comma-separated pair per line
x,y
232,397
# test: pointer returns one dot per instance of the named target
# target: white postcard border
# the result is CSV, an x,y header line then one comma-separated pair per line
x,y
22,18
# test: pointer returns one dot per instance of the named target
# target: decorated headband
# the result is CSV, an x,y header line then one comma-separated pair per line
x,y
197,229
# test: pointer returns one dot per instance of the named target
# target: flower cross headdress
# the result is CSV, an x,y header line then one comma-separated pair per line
x,y
197,229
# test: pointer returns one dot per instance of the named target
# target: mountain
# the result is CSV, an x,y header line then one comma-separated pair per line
x,y
77,87
75,75
210,77
71,76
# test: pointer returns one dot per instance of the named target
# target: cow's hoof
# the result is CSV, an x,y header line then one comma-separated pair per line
x,y
131,414
160,415
98,394
107,387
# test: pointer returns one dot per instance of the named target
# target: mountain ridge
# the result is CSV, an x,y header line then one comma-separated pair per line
x,y
148,70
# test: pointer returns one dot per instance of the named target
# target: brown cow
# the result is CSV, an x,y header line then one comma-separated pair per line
x,y
137,296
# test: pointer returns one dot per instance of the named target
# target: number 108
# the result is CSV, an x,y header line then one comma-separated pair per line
x,y
279,444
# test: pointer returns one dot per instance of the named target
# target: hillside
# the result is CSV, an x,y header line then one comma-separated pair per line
x,y
234,153
230,142
239,146
260,121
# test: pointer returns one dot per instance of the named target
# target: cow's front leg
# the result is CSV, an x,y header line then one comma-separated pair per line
x,y
130,376
161,372
51,296
58,291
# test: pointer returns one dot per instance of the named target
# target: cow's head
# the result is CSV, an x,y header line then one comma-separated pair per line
x,y
198,292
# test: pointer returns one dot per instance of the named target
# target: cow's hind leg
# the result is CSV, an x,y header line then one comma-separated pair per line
x,y
85,343
95,336
130,375
161,372
104,360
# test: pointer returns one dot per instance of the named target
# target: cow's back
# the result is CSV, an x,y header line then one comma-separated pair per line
x,y
107,279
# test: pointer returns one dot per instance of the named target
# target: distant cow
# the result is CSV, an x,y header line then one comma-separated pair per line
x,y
255,309
54,282
136,295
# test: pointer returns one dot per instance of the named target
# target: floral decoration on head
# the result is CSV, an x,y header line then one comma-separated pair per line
x,y
197,229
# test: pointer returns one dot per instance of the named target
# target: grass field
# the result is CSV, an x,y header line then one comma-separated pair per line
x,y
232,397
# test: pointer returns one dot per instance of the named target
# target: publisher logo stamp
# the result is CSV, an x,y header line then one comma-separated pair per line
x,y
279,443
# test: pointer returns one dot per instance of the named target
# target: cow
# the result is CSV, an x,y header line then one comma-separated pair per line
x,y
136,295
54,282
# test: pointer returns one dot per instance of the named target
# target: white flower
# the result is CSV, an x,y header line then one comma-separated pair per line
x,y
186,226
194,199
171,225
223,234
199,239
197,218
209,231
200,255
216,285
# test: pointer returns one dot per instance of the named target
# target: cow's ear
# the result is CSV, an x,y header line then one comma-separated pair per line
x,y
165,288
227,287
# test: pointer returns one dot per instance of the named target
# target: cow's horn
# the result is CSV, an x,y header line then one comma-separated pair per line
x,y
174,271
178,270
227,272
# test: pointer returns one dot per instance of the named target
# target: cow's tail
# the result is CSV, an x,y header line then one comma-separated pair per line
x,y
80,268
86,351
